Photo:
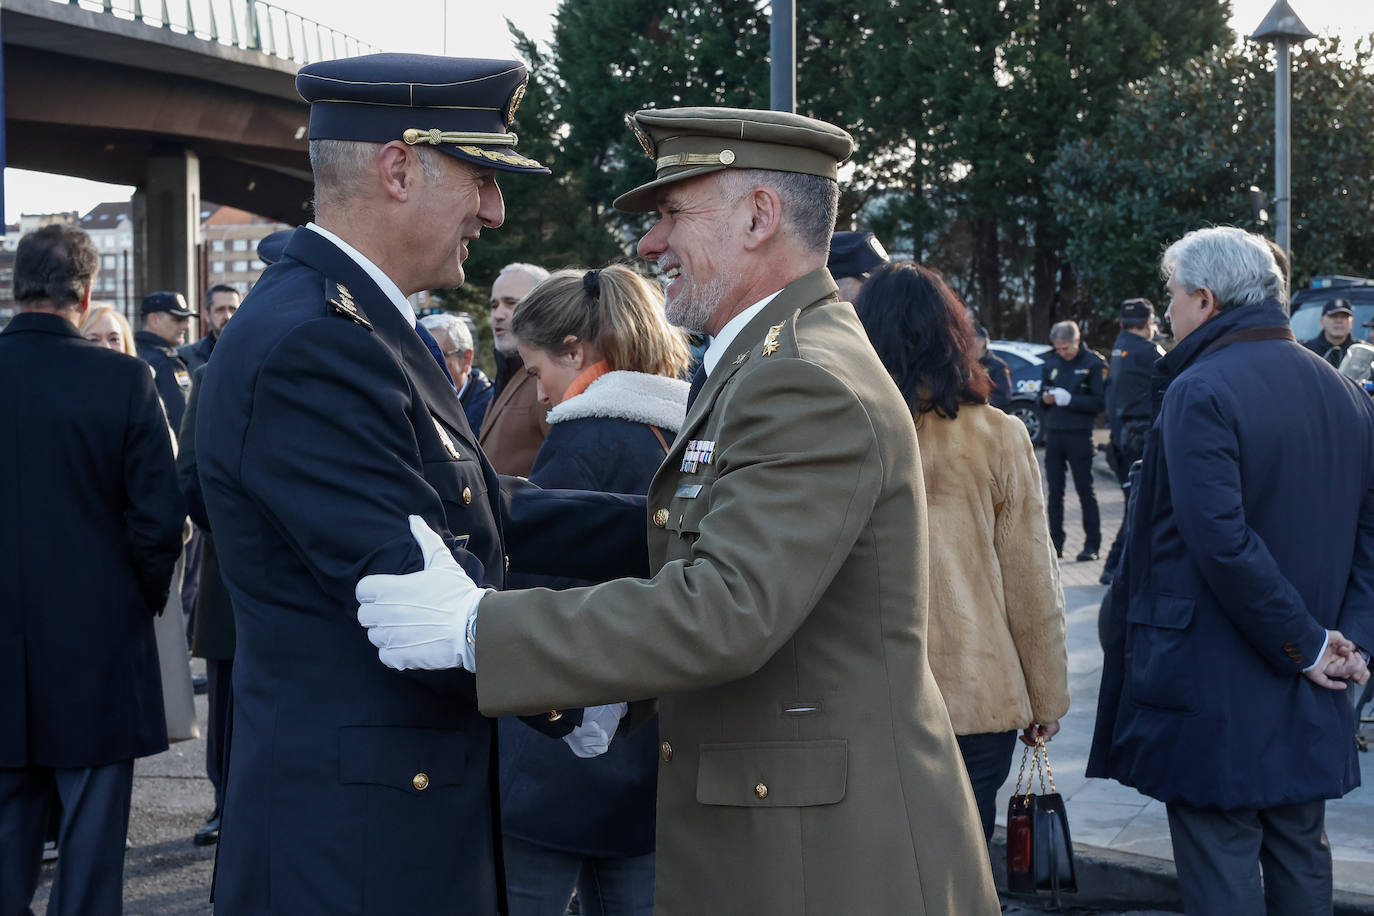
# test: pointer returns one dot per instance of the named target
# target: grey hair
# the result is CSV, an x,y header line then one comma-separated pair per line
x,y
809,202
535,272
1237,266
1064,330
341,168
455,327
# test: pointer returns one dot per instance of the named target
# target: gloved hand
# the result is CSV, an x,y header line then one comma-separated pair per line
x,y
422,619
593,737
1061,396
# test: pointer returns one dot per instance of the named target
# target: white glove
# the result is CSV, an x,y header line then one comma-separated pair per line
x,y
1061,397
422,619
593,737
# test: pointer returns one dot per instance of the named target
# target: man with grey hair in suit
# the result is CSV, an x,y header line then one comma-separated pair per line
x,y
454,338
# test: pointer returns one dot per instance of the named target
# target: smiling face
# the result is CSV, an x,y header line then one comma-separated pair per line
x,y
687,244
450,211
107,332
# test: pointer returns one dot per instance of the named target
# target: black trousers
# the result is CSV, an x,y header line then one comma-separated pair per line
x,y
95,823
987,757
221,702
1220,856
1075,449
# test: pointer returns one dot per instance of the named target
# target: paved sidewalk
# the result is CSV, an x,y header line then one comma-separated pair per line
x,y
1105,815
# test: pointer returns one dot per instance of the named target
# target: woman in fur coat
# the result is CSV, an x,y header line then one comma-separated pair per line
x,y
996,631
603,355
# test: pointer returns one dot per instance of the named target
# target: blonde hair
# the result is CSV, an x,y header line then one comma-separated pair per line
x,y
98,312
614,309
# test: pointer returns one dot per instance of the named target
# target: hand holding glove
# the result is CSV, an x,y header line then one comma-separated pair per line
x,y
593,737
1061,396
423,619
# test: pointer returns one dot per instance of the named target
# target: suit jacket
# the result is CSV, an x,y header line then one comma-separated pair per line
x,y
807,764
514,427
324,422
91,534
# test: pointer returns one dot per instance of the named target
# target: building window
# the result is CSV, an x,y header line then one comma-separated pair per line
x,y
240,267
108,262
258,265
124,240
217,245
241,244
216,267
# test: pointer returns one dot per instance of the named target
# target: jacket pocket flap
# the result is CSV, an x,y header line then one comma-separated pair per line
x,y
773,774
410,759
1172,612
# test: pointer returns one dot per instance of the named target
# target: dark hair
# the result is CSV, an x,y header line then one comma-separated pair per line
x,y
55,264
219,288
924,337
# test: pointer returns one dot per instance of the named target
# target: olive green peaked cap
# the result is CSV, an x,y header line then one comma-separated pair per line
x,y
687,142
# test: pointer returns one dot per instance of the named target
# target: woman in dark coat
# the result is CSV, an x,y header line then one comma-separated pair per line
x,y
603,355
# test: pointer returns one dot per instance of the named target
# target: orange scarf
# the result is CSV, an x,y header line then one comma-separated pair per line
x,y
589,375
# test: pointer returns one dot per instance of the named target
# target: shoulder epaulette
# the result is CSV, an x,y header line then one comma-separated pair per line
x,y
341,303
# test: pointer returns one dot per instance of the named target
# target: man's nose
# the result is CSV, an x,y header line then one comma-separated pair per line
x,y
492,209
651,246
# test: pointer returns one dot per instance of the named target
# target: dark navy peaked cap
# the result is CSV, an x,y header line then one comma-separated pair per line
x,y
854,254
459,105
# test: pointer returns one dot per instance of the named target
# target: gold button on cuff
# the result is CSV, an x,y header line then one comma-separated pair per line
x,y
761,790
467,495
665,750
420,781
661,518
555,715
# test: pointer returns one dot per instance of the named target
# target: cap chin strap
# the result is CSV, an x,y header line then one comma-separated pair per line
x,y
435,136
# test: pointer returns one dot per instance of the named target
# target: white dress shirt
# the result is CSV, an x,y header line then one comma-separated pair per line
x,y
384,283
721,342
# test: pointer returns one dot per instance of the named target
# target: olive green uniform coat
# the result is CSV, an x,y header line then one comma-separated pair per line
x,y
807,763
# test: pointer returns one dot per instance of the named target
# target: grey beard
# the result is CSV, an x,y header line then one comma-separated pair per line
x,y
691,310
506,349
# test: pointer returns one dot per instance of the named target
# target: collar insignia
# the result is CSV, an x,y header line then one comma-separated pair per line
x,y
444,438
770,343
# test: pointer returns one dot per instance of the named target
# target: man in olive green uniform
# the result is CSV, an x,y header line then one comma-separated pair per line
x,y
807,763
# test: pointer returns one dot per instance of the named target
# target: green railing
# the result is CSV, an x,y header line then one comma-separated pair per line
x,y
250,24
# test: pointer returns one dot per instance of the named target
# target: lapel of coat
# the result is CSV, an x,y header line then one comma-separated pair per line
x,y
352,293
814,287
498,404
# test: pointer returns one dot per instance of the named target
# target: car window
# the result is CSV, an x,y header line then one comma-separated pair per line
x,y
1011,359
1306,321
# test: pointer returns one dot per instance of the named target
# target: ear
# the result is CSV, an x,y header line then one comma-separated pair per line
x,y
575,351
466,360
398,169
763,210
1208,302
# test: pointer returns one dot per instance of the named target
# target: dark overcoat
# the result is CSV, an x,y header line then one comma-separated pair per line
x,y
1230,577
172,375
213,636
324,422
91,534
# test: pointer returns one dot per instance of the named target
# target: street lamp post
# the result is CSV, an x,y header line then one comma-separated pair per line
x,y
1283,27
782,39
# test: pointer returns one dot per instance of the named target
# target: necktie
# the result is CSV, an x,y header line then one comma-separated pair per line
x,y
698,380
433,346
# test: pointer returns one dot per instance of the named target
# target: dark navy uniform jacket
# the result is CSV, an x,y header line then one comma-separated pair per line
x,y
173,377
324,422
1085,378
91,532
197,354
1128,382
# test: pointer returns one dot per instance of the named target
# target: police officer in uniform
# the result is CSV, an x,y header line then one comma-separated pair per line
x,y
165,320
1128,399
353,788
1072,382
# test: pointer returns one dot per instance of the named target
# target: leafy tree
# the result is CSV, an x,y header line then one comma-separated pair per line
x,y
1189,142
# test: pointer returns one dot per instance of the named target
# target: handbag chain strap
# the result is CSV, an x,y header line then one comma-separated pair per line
x,y
1040,765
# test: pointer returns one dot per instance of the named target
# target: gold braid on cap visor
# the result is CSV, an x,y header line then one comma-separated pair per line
x,y
435,136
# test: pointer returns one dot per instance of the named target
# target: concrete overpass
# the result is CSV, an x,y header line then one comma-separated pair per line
x,y
177,109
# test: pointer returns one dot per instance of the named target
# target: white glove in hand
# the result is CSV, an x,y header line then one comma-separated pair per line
x,y
1061,397
593,737
421,619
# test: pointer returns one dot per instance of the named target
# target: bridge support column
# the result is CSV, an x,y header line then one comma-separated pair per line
x,y
166,211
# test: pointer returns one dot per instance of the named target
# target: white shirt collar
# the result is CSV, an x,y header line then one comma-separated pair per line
x,y
721,342
384,283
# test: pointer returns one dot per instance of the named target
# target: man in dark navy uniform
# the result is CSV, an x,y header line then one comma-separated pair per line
x,y
324,422
165,320
1128,399
1072,381
91,533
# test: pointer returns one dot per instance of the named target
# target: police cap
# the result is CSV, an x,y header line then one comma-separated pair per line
x,y
1137,310
1337,305
855,254
460,106
687,142
172,303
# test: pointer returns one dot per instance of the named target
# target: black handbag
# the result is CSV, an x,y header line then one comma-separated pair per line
x,y
1039,851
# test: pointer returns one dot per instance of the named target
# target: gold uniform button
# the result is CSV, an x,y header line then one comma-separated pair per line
x,y
555,715
467,495
661,518
665,750
420,782
761,790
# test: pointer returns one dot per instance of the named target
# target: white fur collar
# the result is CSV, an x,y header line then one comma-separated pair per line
x,y
634,396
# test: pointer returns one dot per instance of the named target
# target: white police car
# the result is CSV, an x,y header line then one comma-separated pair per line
x,y
1024,360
